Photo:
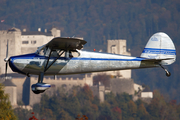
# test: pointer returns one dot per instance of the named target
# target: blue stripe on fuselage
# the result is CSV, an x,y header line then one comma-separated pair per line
x,y
109,59
36,56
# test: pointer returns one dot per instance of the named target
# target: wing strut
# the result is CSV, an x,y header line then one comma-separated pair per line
x,y
48,60
47,67
40,87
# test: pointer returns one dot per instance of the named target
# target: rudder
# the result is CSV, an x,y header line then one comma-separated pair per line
x,y
160,46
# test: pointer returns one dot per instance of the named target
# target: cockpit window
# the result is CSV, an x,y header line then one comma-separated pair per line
x,y
55,53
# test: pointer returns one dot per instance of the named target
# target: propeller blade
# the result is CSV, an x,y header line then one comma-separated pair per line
x,y
7,49
6,60
6,70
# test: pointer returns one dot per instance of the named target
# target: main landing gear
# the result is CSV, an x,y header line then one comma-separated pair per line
x,y
167,72
40,87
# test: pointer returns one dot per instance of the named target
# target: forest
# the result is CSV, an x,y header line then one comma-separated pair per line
x,y
99,20
80,104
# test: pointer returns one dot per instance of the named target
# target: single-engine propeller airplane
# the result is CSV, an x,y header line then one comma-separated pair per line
x,y
63,56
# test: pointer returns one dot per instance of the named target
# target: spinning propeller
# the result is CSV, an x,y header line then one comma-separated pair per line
x,y
6,60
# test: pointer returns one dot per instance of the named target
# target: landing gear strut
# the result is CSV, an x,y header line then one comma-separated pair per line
x,y
167,72
40,87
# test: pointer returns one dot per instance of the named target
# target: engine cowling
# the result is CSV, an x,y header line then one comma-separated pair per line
x,y
40,87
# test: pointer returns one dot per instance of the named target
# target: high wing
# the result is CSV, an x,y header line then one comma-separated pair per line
x,y
64,44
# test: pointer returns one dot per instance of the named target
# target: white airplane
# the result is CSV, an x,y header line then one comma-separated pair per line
x,y
62,56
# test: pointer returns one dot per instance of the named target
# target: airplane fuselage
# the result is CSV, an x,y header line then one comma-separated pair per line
x,y
61,56
85,63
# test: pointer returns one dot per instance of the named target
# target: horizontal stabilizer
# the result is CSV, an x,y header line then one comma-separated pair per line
x,y
157,59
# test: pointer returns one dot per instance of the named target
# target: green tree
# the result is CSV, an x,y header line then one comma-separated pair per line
x,y
157,108
110,98
22,114
132,108
72,106
63,115
142,112
105,112
6,111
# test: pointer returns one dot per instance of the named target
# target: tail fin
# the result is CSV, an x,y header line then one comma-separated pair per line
x,y
160,47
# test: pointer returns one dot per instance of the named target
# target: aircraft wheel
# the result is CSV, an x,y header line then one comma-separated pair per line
x,y
41,91
38,91
168,74
40,87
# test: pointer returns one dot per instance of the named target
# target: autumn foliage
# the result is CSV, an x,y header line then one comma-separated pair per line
x,y
84,106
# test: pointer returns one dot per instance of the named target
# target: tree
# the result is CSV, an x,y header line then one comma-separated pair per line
x,y
117,112
132,108
105,112
141,112
22,114
63,115
6,111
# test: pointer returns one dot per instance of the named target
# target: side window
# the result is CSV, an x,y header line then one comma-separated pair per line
x,y
74,54
55,53
41,52
44,52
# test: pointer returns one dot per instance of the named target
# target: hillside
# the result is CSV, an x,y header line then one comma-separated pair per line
x,y
80,103
97,21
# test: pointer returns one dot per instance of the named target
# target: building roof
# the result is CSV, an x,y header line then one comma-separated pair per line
x,y
13,75
36,33
8,83
14,29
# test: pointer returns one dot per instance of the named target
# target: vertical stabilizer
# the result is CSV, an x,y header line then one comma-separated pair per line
x,y
160,46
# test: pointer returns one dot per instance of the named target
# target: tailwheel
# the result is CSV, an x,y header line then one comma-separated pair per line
x,y
168,74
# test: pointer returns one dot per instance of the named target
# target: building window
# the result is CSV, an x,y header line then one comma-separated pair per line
x,y
113,49
25,42
33,42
